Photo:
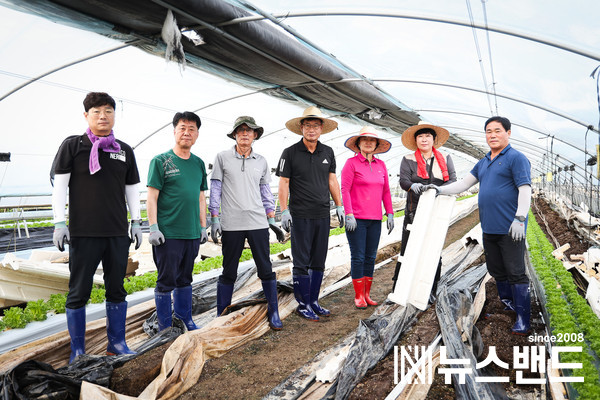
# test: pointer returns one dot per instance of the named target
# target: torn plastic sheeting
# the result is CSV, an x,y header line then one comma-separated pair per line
x,y
34,379
364,355
455,314
183,361
375,337
39,237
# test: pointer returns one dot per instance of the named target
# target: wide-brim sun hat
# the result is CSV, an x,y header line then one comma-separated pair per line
x,y
245,119
383,145
409,140
311,112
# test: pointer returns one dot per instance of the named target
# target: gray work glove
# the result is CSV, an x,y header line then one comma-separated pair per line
x,y
517,230
61,235
432,186
390,223
215,229
286,220
135,233
417,188
203,235
339,210
350,223
156,237
278,232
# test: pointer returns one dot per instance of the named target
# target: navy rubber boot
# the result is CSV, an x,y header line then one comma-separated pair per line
x,y
116,316
76,326
522,303
164,312
316,277
505,294
302,295
182,304
224,294
270,290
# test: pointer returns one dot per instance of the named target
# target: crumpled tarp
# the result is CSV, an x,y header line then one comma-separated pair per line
x,y
456,316
38,380
184,360
374,339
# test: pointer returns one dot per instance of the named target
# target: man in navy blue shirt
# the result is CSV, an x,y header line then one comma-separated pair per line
x,y
504,175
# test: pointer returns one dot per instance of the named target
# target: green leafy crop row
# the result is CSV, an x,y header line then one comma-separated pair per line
x,y
569,312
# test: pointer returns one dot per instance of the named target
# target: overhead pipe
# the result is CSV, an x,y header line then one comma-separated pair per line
x,y
557,113
37,78
468,24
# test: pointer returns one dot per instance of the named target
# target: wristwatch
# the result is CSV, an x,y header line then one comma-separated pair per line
x,y
520,218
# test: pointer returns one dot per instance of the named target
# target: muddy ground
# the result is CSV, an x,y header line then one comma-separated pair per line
x,y
559,228
251,371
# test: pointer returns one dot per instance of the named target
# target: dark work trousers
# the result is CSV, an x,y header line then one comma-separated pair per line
x,y
363,242
310,239
505,258
405,236
232,247
174,261
85,253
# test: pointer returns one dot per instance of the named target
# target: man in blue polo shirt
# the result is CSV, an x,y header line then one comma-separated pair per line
x,y
504,175
306,172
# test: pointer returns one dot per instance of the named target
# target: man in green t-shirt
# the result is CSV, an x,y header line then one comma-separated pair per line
x,y
177,216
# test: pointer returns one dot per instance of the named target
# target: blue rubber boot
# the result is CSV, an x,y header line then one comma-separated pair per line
x,y
76,326
522,303
224,294
270,290
182,303
116,316
505,294
316,277
302,295
164,312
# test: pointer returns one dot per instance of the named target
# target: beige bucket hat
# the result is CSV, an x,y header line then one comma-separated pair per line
x,y
311,112
409,140
383,145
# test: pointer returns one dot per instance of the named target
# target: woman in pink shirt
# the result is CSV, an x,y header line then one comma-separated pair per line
x,y
365,186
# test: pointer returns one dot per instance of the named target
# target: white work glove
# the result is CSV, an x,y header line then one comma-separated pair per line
x,y
135,233
61,235
156,237
215,229
350,223
286,220
203,235
517,230
417,188
339,210
390,223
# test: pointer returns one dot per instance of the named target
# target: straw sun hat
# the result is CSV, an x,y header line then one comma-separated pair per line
x,y
383,145
251,124
409,140
311,112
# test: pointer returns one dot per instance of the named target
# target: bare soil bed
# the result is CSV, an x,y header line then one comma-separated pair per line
x,y
559,228
252,370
